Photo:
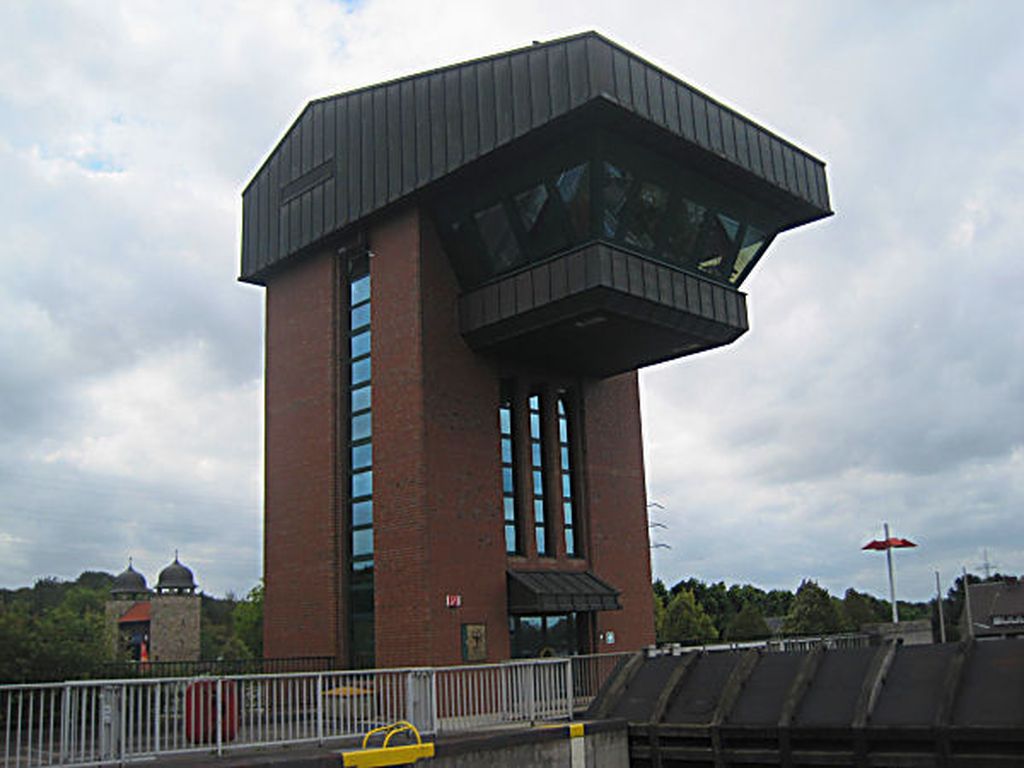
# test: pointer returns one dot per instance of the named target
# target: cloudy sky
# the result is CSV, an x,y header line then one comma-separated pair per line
x,y
882,379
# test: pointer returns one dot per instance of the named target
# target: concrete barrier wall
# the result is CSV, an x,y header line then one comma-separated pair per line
x,y
603,749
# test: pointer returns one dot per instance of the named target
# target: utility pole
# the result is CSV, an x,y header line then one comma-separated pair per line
x,y
892,579
967,605
887,544
938,597
987,566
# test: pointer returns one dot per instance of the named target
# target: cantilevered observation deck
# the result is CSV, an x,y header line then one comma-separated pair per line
x,y
599,213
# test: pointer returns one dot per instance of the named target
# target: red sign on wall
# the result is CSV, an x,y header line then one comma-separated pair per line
x,y
453,601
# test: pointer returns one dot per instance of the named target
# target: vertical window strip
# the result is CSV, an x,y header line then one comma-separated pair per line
x,y
540,525
508,473
361,550
572,545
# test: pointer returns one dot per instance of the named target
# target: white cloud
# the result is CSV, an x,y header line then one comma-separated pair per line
x,y
880,378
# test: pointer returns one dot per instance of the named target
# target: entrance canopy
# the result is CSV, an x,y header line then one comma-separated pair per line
x,y
540,592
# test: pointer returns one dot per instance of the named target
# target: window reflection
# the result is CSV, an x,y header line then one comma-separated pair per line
x,y
508,486
502,246
625,194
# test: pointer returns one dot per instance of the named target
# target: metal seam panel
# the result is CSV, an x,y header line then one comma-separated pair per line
x,y
306,145
715,128
620,70
521,121
600,68
318,134
452,121
470,112
638,86
577,72
486,107
655,97
394,145
503,101
407,97
437,127
376,137
421,92
700,120
558,78
540,87
330,155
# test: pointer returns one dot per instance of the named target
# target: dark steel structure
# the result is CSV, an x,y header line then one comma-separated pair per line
x,y
349,156
889,705
635,155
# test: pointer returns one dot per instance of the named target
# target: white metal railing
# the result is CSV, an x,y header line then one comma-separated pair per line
x,y
775,645
107,721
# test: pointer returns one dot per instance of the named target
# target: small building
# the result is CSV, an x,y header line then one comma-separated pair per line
x,y
914,632
155,626
996,609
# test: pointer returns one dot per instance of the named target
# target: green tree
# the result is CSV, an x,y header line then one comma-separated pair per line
x,y
748,624
860,609
686,621
16,640
812,612
247,617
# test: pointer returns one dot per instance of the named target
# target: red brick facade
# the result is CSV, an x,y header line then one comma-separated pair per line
x,y
301,536
438,527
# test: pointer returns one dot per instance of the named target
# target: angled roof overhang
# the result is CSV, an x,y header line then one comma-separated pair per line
x,y
541,592
350,156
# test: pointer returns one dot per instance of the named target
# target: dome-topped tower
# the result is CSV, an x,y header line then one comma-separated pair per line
x,y
176,579
129,583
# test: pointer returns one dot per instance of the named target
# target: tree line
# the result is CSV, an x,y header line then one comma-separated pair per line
x,y
56,630
695,612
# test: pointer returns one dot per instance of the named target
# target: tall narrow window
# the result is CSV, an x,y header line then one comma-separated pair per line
x,y
360,592
540,523
508,469
572,544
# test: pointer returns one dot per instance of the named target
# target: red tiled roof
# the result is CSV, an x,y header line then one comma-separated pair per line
x,y
138,612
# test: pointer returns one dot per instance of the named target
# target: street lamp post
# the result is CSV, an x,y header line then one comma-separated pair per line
x,y
888,544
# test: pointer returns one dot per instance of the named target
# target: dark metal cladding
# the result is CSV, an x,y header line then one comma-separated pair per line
x,y
350,155
601,311
883,705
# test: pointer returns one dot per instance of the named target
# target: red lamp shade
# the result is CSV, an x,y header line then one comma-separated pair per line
x,y
891,542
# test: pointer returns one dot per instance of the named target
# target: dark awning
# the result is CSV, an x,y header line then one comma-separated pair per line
x,y
531,592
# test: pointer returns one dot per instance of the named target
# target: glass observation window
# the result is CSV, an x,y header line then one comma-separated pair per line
x,y
540,510
604,188
572,544
360,475
508,463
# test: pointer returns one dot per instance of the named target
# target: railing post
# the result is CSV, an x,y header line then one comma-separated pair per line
x,y
65,721
531,690
432,698
320,709
117,710
569,697
220,707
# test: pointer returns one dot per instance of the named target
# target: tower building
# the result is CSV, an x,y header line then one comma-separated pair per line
x,y
464,270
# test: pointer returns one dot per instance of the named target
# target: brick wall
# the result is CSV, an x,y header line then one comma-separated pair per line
x,y
438,526
302,497
617,534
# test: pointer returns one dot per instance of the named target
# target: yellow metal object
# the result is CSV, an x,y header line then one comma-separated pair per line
x,y
347,690
575,730
385,755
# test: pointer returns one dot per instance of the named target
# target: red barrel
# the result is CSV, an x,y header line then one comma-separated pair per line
x,y
201,706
